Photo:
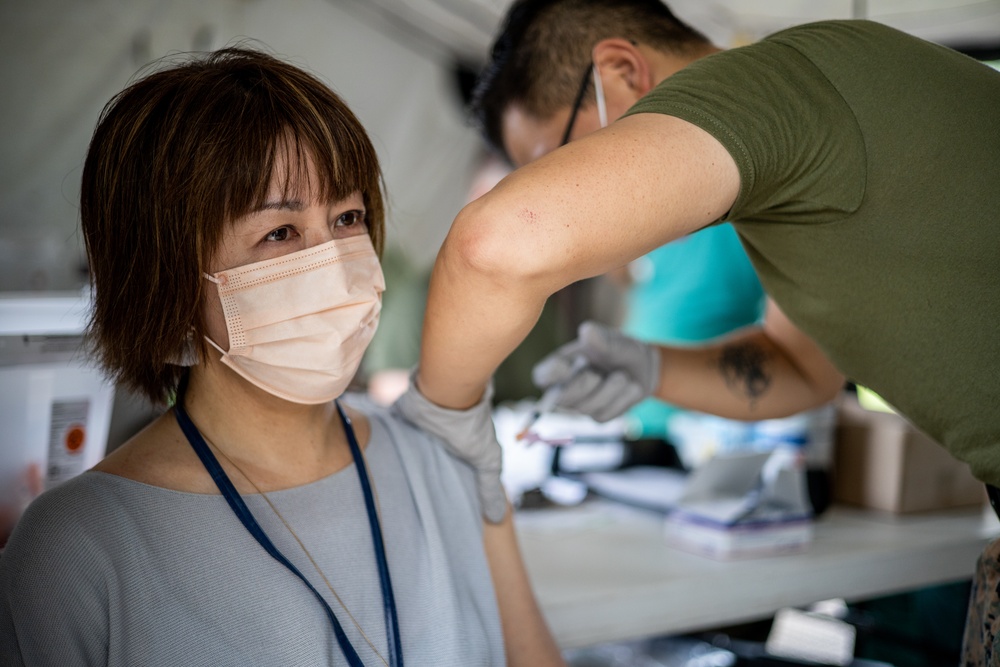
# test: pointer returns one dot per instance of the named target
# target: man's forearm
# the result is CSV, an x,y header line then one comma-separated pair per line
x,y
746,377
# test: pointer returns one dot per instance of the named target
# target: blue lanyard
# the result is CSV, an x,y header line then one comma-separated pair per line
x,y
242,512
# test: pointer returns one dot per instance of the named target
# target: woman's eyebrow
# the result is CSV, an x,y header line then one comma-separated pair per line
x,y
284,204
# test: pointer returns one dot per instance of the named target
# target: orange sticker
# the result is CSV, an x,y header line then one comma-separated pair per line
x,y
75,437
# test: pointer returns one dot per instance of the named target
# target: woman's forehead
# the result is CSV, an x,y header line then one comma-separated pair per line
x,y
297,175
293,171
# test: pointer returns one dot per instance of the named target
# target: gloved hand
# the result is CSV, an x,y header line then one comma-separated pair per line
x,y
619,372
467,434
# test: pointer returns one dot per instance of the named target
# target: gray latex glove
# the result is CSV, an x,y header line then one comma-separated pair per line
x,y
619,372
467,434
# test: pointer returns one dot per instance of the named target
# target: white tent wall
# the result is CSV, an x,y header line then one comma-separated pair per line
x,y
390,59
467,25
955,23
62,60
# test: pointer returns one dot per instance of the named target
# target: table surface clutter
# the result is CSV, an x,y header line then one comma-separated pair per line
x,y
605,572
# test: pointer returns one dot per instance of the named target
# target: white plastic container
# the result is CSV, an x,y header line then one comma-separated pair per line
x,y
55,405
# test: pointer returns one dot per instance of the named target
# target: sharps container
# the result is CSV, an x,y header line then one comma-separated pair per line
x,y
55,405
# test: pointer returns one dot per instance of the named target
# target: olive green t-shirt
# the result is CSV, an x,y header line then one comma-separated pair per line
x,y
870,207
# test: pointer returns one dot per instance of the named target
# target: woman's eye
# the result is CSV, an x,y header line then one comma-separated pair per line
x,y
350,218
279,234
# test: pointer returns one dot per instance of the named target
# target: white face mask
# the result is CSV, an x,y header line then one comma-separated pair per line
x,y
602,107
299,324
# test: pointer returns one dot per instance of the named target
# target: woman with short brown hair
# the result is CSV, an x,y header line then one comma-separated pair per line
x,y
233,215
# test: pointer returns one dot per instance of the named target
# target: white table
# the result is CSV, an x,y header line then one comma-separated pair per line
x,y
603,572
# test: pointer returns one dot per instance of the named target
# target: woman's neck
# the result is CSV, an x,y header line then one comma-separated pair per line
x,y
275,443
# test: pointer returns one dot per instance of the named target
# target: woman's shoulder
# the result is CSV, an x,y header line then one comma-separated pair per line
x,y
66,525
56,573
425,472
421,453
71,503
386,424
159,455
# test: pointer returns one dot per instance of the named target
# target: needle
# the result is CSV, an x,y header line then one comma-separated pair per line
x,y
552,395
531,438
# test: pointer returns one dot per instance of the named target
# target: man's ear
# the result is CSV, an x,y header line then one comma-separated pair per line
x,y
621,61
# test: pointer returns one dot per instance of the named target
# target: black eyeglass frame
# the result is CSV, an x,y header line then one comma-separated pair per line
x,y
584,84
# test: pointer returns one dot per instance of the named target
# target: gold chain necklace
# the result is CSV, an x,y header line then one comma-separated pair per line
x,y
378,510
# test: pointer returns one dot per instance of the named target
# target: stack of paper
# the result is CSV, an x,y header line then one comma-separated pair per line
x,y
730,510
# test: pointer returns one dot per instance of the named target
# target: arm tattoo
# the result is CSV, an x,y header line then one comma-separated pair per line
x,y
743,368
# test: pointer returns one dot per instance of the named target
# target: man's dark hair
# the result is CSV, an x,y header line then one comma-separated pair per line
x,y
544,46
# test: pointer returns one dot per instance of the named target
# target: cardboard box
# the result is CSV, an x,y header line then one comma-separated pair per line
x,y
883,462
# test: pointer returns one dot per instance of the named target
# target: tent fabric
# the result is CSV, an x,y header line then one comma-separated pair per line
x,y
391,60
64,60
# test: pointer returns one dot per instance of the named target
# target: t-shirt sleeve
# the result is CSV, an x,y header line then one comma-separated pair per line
x,y
798,147
53,589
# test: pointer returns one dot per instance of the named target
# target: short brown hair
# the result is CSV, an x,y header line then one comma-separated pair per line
x,y
544,46
177,156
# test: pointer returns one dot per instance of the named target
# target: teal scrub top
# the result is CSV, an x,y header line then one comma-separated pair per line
x,y
686,292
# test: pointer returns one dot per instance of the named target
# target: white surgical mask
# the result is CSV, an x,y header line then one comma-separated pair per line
x,y
602,107
299,324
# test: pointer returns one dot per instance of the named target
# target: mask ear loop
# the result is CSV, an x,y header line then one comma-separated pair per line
x,y
217,281
189,355
602,109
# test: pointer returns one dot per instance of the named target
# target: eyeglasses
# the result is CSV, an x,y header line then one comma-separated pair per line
x,y
576,105
602,110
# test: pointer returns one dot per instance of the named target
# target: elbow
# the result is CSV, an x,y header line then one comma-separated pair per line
x,y
475,243
483,244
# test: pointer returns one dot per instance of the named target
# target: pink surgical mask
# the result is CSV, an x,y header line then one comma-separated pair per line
x,y
298,324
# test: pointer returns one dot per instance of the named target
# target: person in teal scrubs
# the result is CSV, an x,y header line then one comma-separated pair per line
x,y
686,292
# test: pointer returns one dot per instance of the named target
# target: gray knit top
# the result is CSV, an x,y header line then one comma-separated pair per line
x,y
103,570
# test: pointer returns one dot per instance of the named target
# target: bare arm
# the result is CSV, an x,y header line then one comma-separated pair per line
x,y
527,639
760,373
583,210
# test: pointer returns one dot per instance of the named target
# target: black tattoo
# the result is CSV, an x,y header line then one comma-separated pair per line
x,y
743,368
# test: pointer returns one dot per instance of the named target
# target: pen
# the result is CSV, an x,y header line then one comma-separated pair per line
x,y
552,395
